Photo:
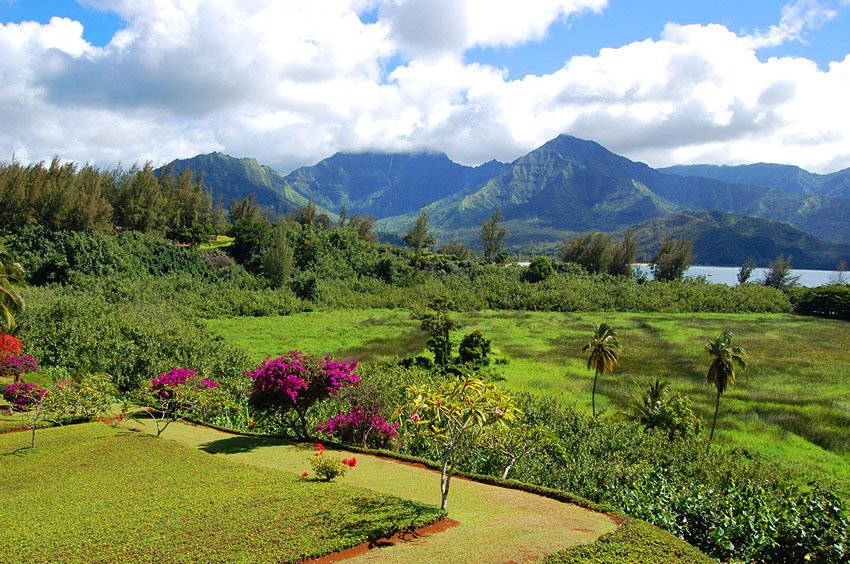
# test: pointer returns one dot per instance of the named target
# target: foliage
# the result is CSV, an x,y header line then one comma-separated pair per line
x,y
539,270
746,270
326,468
453,414
361,426
17,365
23,395
438,324
672,260
251,241
779,274
174,394
656,408
725,357
10,345
823,301
296,382
492,236
11,282
516,441
474,350
592,251
624,254
603,352
419,237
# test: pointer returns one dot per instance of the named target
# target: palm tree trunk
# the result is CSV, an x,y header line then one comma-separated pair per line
x,y
593,395
714,422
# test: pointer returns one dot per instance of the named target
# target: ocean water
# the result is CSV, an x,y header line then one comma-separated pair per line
x,y
729,275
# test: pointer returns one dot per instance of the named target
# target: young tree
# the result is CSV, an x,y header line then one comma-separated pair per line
x,y
592,251
12,281
603,352
673,259
278,258
657,408
453,414
175,394
493,237
779,274
437,323
418,237
725,357
746,271
840,276
516,441
624,254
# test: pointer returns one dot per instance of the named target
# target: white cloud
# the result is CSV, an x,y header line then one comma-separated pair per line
x,y
293,81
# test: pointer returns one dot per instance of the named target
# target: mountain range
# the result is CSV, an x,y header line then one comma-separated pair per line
x,y
567,186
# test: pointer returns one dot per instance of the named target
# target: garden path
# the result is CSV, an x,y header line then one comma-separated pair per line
x,y
496,524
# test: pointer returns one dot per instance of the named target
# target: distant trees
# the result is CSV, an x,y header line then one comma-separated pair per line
x,y
419,237
746,270
603,352
493,238
597,253
672,260
726,358
624,255
779,274
61,196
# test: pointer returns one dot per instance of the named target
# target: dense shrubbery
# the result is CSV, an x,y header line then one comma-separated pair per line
x,y
109,328
823,301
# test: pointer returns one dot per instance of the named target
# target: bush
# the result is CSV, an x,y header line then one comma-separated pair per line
x,y
823,301
23,395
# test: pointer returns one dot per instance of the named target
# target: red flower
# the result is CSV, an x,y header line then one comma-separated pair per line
x,y
320,447
352,462
345,461
304,474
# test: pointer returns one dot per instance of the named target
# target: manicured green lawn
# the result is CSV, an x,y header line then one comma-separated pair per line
x,y
91,493
791,405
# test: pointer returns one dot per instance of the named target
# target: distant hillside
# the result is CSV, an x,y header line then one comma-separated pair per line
x,y
787,178
234,179
723,239
384,185
570,185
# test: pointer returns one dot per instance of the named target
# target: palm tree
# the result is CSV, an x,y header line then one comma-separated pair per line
x,y
11,280
646,407
725,356
604,352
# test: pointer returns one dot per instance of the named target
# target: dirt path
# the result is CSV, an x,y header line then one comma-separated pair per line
x,y
496,524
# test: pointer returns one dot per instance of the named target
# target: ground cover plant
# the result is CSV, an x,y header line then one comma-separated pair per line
x,y
113,495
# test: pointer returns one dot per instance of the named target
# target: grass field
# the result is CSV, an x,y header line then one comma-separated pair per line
x,y
792,405
91,493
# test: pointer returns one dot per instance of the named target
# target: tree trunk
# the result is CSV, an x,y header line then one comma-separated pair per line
x,y
508,468
593,395
714,422
444,485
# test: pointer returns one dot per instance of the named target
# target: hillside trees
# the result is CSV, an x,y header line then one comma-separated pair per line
x,y
419,237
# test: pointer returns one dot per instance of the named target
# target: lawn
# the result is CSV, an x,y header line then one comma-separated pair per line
x,y
92,493
791,405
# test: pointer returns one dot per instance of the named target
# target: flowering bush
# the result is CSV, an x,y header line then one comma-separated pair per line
x,y
23,395
359,425
14,365
175,393
295,382
326,467
10,345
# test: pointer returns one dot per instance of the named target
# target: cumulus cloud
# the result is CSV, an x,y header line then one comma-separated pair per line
x,y
293,81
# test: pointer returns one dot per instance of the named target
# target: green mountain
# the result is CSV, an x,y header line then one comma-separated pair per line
x,y
386,184
233,179
787,178
570,185
723,239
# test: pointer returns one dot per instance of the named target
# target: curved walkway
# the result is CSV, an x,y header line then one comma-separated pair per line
x,y
496,524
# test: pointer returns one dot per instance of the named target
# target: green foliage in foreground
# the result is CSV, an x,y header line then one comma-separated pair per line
x,y
634,541
91,493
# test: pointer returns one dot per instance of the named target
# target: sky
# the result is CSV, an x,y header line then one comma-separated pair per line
x,y
291,82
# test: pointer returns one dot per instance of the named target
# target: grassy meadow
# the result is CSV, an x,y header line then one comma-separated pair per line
x,y
92,493
792,405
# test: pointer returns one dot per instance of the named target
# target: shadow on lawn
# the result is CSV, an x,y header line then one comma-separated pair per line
x,y
377,521
238,445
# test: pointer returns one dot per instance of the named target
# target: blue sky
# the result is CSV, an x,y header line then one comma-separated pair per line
x,y
665,82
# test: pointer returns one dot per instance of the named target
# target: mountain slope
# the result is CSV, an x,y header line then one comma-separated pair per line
x,y
787,178
570,185
232,179
723,239
384,185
